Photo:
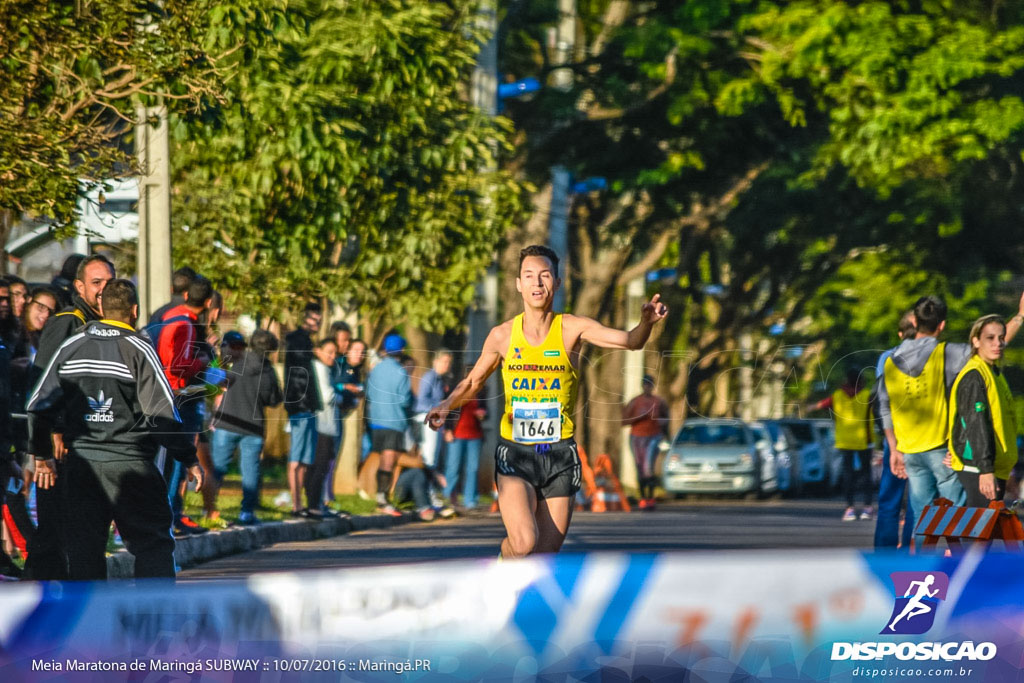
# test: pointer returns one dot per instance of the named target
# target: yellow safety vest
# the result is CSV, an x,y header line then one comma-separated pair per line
x,y
534,376
1004,424
851,414
918,404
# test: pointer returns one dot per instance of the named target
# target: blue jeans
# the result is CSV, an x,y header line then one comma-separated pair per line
x,y
412,485
302,448
459,450
929,479
224,444
890,501
190,410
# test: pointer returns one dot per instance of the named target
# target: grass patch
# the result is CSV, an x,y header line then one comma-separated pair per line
x,y
229,503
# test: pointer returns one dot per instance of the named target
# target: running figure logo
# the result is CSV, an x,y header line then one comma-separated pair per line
x,y
914,612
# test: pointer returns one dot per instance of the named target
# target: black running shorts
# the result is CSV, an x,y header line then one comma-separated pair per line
x,y
553,470
387,440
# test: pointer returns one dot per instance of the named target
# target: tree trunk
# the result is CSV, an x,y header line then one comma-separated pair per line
x,y
7,219
534,232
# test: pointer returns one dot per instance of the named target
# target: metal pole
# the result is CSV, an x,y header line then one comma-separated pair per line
x,y
558,226
632,383
484,313
565,44
154,249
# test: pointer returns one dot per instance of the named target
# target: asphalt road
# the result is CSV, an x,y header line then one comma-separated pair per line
x,y
691,526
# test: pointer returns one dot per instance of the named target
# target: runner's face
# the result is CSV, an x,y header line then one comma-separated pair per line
x,y
991,342
537,282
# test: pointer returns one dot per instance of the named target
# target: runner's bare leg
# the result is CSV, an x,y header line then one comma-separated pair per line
x,y
553,517
518,504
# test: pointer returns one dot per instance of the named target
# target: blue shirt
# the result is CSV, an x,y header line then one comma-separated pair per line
x,y
431,391
389,395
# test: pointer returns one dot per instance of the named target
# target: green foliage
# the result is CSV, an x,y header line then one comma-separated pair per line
x,y
908,91
71,76
889,139
346,163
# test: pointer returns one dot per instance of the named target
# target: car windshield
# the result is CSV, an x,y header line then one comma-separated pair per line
x,y
802,431
711,435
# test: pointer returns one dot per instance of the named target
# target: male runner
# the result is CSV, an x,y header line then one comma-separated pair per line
x,y
537,468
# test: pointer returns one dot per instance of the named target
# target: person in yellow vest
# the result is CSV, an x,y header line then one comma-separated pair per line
x,y
851,412
913,402
982,425
537,467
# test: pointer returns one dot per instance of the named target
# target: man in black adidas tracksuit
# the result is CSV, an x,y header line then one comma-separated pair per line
x,y
106,389
46,551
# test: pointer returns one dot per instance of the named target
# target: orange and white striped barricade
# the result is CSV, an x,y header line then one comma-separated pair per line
x,y
942,519
608,493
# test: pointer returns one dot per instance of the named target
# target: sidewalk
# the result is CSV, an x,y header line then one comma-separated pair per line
x,y
194,550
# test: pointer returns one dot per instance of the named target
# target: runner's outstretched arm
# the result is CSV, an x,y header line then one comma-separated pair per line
x,y
597,334
490,359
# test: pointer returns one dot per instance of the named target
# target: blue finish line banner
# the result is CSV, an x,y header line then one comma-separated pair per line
x,y
821,616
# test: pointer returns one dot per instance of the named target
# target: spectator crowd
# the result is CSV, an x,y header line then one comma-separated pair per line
x,y
106,423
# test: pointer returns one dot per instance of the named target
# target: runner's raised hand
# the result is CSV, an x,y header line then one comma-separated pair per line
x,y
653,310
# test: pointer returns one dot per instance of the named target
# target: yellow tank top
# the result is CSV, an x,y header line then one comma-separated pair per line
x,y
540,387
918,404
1004,423
851,416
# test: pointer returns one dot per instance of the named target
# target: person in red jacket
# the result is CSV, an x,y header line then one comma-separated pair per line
x,y
647,418
465,437
181,348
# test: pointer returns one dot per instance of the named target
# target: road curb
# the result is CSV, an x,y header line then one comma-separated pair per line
x,y
193,550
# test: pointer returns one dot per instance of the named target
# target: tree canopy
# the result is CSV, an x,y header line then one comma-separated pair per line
x,y
786,159
71,77
347,162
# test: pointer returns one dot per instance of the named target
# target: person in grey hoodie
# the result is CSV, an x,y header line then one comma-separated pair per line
x,y
913,398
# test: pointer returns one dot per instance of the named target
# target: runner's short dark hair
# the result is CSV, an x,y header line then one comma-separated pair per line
x,y
200,290
263,342
181,279
543,252
89,260
929,311
118,297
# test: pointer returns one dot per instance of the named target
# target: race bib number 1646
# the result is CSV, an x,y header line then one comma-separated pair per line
x,y
536,422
